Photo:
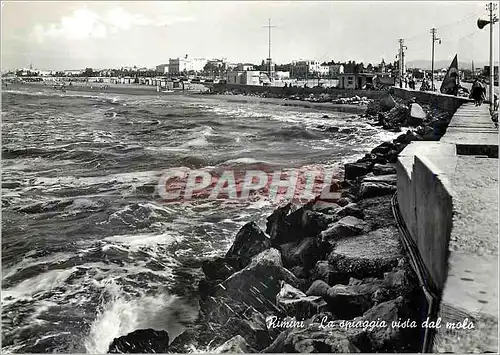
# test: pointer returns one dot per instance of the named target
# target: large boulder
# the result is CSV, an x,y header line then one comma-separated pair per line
x,y
277,227
354,170
390,179
374,189
235,345
351,209
315,339
378,211
387,103
384,169
392,339
368,255
349,301
346,227
328,273
383,148
258,284
217,268
285,225
305,253
223,317
318,288
141,341
417,115
249,241
296,304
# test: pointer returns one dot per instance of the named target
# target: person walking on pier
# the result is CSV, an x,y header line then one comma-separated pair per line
x,y
477,92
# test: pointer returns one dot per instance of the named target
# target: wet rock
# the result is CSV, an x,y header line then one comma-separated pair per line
x,y
407,138
383,148
367,255
286,250
328,273
354,170
296,304
378,211
352,209
258,284
344,201
374,189
307,252
249,241
217,269
386,169
349,301
251,326
389,339
346,227
314,339
318,288
400,281
222,318
277,226
387,103
288,292
390,179
373,108
235,345
286,226
299,272
141,341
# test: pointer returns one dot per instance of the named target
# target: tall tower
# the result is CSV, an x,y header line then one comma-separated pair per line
x,y
269,60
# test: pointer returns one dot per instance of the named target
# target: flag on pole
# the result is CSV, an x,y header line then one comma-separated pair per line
x,y
451,80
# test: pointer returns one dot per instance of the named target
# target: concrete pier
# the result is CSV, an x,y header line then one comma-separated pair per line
x,y
448,197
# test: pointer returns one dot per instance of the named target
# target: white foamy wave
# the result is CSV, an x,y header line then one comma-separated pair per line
x,y
40,283
243,160
136,241
122,315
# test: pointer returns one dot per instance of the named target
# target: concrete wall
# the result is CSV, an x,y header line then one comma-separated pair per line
x,y
221,88
434,217
436,100
425,203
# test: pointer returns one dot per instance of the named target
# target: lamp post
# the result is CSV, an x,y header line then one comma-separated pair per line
x,y
434,39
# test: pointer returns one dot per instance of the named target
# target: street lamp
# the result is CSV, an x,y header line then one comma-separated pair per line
x,y
481,23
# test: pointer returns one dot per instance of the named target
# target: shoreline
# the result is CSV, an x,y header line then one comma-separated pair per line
x,y
143,90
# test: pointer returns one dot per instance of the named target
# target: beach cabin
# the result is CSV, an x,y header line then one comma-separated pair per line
x,y
355,81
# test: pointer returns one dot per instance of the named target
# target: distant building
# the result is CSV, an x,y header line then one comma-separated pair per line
x,y
243,77
324,70
335,70
303,68
178,66
162,68
197,64
245,67
219,63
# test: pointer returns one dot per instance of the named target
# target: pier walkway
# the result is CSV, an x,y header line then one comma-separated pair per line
x,y
448,197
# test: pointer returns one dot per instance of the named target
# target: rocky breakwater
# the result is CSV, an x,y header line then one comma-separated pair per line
x,y
324,277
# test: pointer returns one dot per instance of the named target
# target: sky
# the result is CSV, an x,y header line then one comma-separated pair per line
x,y
98,34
